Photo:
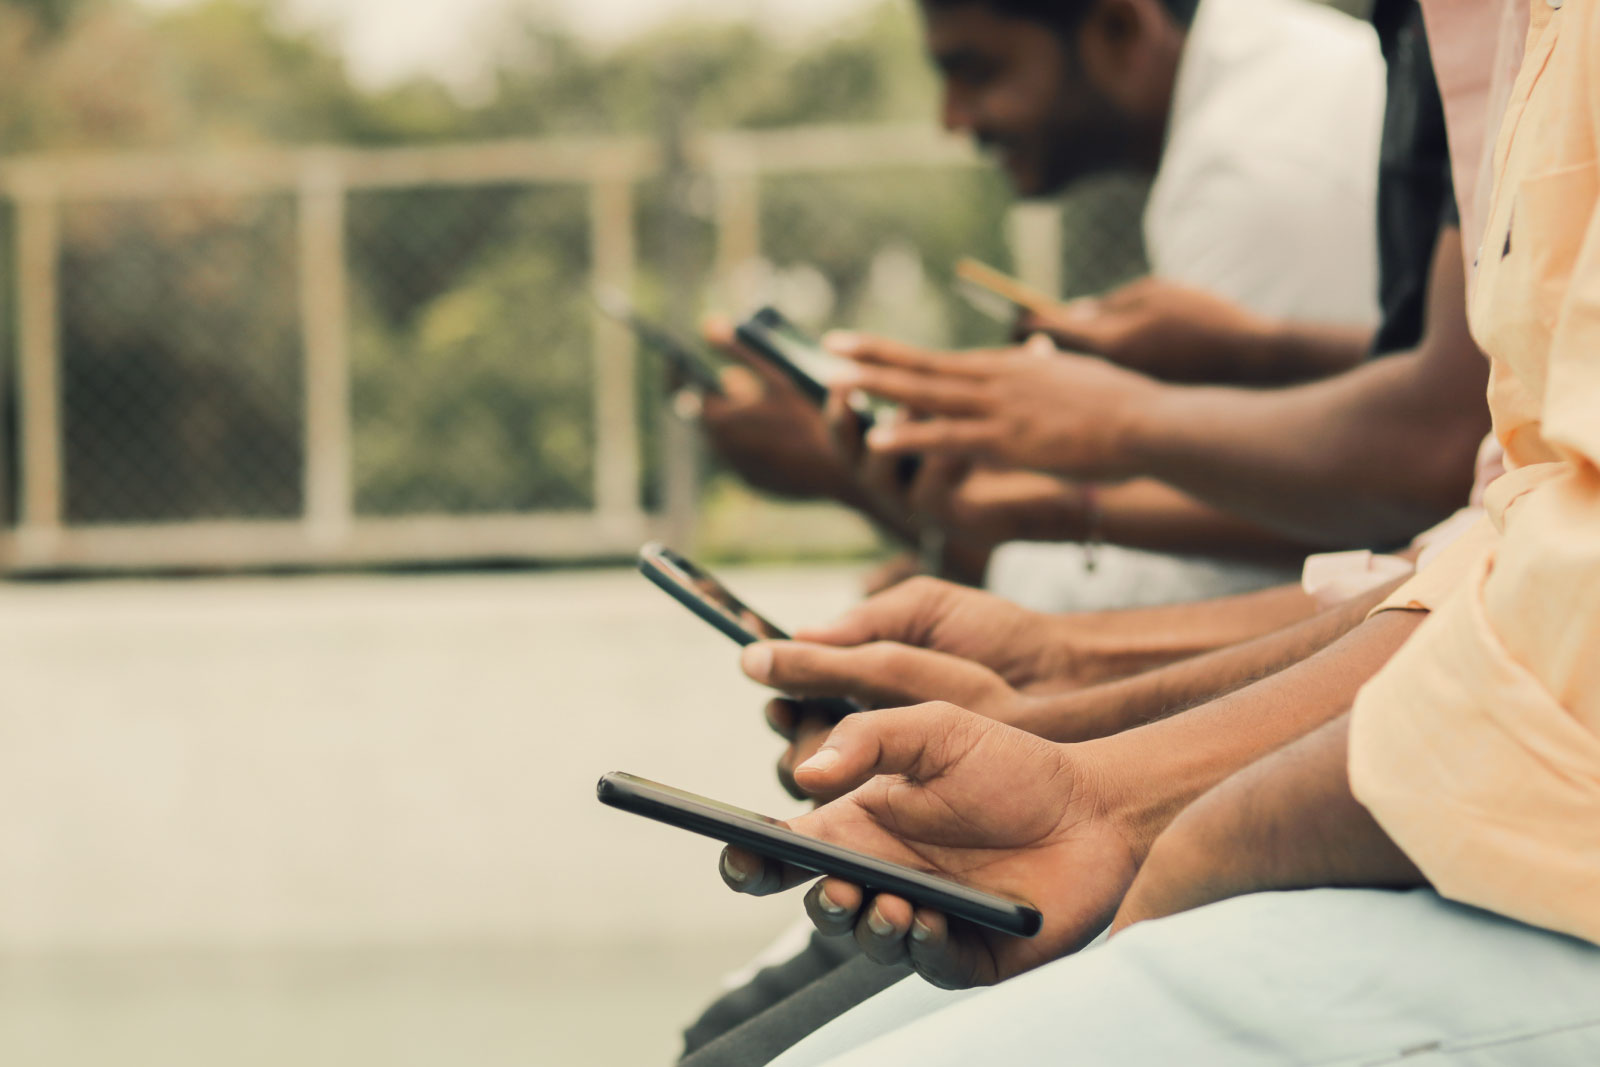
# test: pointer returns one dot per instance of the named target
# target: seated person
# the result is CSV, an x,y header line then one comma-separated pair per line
x,y
1274,216
1454,754
1422,407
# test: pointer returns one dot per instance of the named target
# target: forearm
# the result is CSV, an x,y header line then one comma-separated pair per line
x,y
1129,703
1287,821
1285,352
1260,352
1110,645
1369,457
1167,765
1150,515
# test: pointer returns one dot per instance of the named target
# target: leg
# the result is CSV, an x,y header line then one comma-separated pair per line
x,y
1324,977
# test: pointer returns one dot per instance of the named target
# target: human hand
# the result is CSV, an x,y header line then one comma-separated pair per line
x,y
765,430
1153,326
945,791
1026,649
1033,407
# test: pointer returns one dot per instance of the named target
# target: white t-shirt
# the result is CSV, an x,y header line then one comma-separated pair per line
x,y
1267,191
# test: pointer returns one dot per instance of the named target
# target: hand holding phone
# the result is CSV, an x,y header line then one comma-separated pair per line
x,y
771,838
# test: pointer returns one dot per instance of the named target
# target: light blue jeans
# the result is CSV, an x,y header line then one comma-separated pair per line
x,y
1328,977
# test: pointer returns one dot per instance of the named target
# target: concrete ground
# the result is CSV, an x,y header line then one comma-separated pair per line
x,y
350,820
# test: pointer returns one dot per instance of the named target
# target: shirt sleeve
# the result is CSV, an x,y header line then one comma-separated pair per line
x,y
1449,571
1478,747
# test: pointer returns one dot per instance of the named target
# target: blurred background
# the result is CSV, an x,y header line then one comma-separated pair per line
x,y
318,472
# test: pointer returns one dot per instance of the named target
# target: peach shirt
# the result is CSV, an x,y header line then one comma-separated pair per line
x,y
1478,747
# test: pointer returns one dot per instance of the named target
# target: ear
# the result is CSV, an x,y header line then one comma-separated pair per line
x,y
1118,41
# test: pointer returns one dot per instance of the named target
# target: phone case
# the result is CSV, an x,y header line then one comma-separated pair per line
x,y
770,838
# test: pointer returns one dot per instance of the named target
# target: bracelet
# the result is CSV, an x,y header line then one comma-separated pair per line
x,y
1094,525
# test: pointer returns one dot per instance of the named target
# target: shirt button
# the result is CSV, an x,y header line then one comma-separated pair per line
x,y
1555,5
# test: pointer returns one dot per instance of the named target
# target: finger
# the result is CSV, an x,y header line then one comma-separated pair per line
x,y
875,672
938,478
942,958
869,350
745,872
879,474
844,426
905,613
783,716
917,742
832,906
813,733
974,438
931,394
881,930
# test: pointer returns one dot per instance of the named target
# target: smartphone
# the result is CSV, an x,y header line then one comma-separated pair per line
x,y
769,837
1019,294
689,361
710,599
705,596
802,360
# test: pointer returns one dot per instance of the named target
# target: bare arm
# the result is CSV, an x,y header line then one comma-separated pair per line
x,y
1288,821
1369,457
1112,707
1180,334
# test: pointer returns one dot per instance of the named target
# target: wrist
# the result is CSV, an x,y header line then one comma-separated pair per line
x,y
1146,425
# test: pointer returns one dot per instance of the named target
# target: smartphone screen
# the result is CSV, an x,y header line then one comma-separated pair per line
x,y
769,837
696,368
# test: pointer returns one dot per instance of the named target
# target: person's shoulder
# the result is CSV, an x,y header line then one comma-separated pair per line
x,y
1279,76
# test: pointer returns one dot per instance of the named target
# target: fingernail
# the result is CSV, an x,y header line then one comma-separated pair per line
x,y
821,760
878,924
882,437
842,342
756,661
1041,345
829,905
920,931
733,873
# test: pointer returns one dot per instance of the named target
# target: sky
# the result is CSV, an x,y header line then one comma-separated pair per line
x,y
387,40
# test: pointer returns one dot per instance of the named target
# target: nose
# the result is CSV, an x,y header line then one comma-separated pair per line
x,y
955,114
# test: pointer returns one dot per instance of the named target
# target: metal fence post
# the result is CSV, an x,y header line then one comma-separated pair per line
x,y
39,440
738,185
324,309
616,466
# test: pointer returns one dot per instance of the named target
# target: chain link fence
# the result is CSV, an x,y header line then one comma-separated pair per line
x,y
339,356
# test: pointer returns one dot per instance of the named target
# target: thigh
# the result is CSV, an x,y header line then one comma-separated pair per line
x,y
762,1037
1328,977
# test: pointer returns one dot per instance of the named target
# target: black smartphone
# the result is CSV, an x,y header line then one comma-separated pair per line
x,y
780,342
705,596
769,837
688,360
783,344
708,598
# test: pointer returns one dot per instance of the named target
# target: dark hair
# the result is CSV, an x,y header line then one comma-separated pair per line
x,y
1063,16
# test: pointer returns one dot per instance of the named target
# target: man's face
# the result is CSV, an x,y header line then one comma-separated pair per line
x,y
1017,88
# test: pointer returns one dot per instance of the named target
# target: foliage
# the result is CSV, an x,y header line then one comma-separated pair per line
x,y
470,337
